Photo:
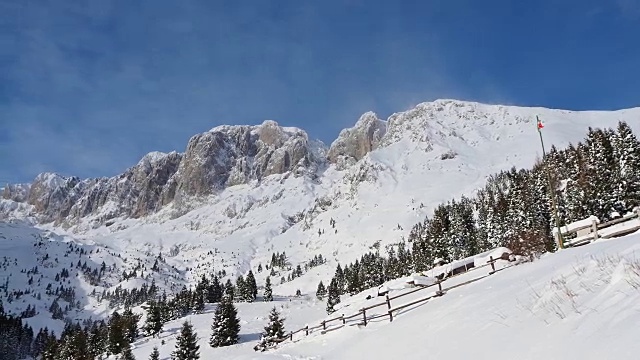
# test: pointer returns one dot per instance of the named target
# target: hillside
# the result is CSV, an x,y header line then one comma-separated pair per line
x,y
239,194
581,303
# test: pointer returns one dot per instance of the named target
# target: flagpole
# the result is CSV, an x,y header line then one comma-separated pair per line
x,y
552,193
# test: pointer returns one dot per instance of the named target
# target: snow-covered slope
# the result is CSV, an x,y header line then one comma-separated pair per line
x,y
579,303
239,194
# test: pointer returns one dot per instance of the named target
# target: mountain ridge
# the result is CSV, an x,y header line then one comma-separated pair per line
x,y
228,155
427,156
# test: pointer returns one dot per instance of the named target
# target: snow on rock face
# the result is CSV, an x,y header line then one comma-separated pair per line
x,y
52,194
16,192
232,155
354,143
443,136
214,160
139,191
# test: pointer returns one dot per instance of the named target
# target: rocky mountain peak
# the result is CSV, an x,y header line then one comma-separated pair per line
x,y
354,143
232,155
224,156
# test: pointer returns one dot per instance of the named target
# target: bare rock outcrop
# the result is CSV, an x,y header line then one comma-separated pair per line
x,y
214,160
232,155
354,143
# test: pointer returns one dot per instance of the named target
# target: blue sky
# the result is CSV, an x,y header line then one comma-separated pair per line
x,y
88,87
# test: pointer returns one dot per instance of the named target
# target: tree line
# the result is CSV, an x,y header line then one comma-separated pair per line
x,y
598,176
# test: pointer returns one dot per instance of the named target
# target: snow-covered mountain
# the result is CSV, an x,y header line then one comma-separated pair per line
x,y
240,193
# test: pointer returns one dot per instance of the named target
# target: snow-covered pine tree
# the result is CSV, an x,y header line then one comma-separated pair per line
x,y
117,334
603,173
50,351
215,290
126,353
155,354
226,325
438,231
333,297
242,289
130,324
391,268
405,263
153,324
627,153
272,332
352,278
578,184
251,287
198,302
186,344
321,291
340,280
268,292
229,289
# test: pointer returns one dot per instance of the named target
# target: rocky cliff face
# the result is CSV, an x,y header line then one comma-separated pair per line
x,y
232,155
354,143
16,192
222,157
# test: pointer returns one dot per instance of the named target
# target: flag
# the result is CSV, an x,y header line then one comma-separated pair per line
x,y
540,125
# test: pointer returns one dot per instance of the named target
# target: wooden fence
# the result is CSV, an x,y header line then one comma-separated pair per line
x,y
591,232
361,318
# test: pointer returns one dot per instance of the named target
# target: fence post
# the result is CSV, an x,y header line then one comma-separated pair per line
x,y
364,316
594,229
389,308
291,336
306,330
556,236
439,292
324,325
493,266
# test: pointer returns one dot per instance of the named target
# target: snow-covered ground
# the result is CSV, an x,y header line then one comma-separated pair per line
x,y
581,303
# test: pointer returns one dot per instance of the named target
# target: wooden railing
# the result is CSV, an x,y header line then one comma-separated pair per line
x,y
361,318
595,227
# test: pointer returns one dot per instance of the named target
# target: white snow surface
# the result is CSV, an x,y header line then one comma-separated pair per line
x,y
581,303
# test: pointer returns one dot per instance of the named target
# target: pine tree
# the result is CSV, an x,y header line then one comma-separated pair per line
x,y
273,332
155,354
117,336
627,153
251,287
229,289
153,325
214,293
186,344
198,302
241,287
130,324
50,351
126,353
226,325
340,280
321,291
333,296
268,293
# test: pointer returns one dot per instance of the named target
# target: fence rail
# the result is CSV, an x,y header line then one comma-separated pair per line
x,y
361,316
590,232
